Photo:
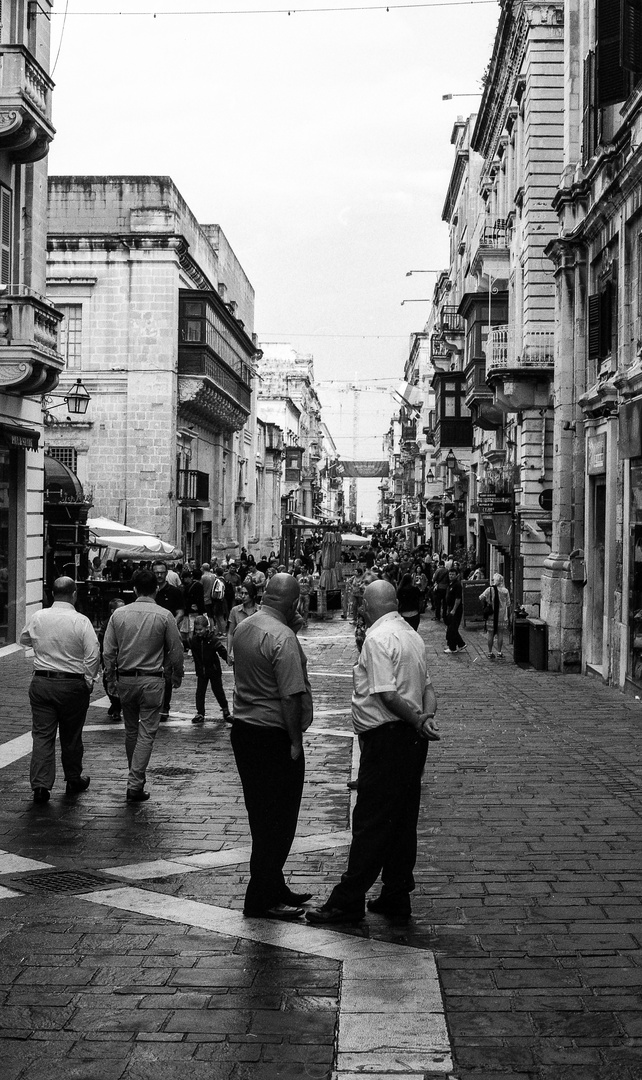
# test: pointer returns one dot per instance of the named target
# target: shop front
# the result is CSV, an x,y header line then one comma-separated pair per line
x,y
15,443
630,439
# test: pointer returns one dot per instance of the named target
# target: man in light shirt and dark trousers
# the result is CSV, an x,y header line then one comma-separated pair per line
x,y
66,663
142,647
393,709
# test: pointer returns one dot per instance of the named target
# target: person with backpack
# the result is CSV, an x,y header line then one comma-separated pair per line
x,y
220,610
495,601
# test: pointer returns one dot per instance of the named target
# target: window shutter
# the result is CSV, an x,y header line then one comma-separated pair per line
x,y
5,235
612,81
631,35
589,128
594,322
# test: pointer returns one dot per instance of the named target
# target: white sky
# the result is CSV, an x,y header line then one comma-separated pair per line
x,y
319,142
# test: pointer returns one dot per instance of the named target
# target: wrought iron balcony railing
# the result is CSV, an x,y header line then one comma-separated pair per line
x,y
451,321
536,350
192,487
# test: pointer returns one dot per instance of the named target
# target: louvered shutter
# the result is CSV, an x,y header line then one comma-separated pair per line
x,y
594,321
5,235
589,128
631,35
612,80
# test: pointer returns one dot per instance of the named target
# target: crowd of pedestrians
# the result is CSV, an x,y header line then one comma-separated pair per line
x,y
248,615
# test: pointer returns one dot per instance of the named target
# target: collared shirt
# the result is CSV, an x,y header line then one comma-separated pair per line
x,y
270,665
63,640
143,636
393,658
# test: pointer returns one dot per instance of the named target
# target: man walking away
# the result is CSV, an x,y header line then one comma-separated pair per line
x,y
272,709
393,708
206,648
171,598
66,663
453,611
142,646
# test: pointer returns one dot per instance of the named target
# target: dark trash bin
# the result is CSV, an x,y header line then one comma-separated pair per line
x,y
520,641
538,644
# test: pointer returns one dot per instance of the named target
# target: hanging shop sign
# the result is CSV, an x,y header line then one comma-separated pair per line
x,y
596,454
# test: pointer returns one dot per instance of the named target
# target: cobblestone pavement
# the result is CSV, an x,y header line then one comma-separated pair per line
x,y
528,897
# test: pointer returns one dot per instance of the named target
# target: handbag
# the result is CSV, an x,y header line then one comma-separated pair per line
x,y
487,609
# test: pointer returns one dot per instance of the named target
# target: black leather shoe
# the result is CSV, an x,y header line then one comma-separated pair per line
x,y
74,787
393,909
285,912
297,898
137,796
41,794
326,914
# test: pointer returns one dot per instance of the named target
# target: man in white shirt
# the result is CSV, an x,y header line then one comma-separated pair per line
x,y
393,709
66,663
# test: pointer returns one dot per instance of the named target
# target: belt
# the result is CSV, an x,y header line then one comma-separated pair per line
x,y
133,672
58,675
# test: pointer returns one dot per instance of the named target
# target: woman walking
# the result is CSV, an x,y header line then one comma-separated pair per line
x,y
497,597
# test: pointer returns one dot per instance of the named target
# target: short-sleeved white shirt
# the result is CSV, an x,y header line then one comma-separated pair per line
x,y
393,658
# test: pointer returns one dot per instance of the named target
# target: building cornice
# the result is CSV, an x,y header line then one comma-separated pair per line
x,y
517,19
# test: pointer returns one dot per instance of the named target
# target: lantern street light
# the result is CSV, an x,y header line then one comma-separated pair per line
x,y
77,399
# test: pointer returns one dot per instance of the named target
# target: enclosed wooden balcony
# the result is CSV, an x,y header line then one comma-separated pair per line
x,y
29,357
214,363
25,105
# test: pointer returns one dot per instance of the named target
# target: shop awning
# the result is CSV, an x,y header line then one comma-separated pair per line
x,y
19,438
299,519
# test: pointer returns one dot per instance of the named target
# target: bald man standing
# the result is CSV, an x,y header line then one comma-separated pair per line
x,y
272,709
66,661
393,709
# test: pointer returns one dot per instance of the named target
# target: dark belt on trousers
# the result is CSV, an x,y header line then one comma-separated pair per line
x,y
58,675
133,672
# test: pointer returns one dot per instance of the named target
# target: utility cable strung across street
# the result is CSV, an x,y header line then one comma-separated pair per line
x,y
294,11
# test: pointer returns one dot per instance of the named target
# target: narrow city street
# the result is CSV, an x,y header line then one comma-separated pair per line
x,y
125,955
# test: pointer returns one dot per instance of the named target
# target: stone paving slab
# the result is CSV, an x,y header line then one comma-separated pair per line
x,y
529,882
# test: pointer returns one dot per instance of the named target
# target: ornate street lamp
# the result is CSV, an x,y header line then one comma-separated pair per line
x,y
77,399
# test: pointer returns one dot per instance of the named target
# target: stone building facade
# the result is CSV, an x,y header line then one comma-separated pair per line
x,y
491,328
158,323
30,361
593,578
288,398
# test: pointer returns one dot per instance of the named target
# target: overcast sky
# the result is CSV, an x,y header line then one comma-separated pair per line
x,y
319,142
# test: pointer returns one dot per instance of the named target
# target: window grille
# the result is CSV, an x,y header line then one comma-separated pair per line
x,y
66,455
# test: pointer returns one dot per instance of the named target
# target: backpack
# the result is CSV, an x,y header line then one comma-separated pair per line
x,y
218,589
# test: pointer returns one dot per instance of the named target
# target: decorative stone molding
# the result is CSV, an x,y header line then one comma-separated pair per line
x,y
25,105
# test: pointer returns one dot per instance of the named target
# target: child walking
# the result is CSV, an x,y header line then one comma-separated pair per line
x,y
206,649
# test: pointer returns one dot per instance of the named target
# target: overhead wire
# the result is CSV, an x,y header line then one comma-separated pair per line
x,y
290,10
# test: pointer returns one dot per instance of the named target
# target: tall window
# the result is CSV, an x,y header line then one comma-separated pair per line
x,y
71,335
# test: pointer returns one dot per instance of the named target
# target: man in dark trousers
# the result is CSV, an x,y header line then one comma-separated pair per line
x,y
66,663
171,598
453,611
393,709
142,647
206,648
272,709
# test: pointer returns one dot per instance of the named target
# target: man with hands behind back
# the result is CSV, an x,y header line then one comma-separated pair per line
x,y
393,710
